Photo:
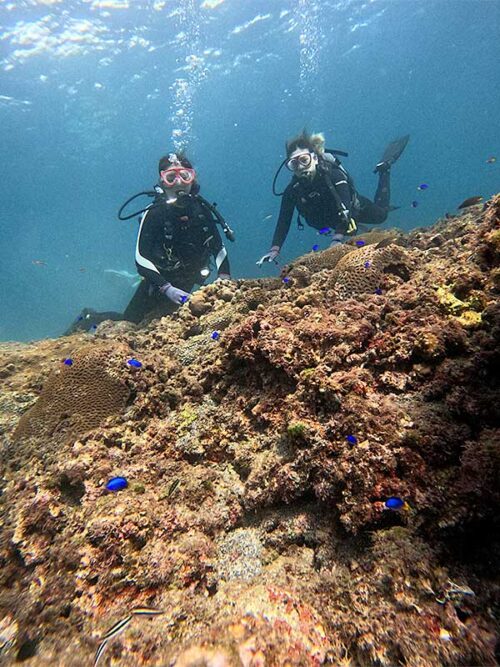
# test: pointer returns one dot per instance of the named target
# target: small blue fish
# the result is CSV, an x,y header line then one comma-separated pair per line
x,y
315,247
184,299
360,243
68,362
378,291
79,318
325,230
351,439
134,363
394,503
215,335
117,484
422,186
286,279
93,328
367,265
414,204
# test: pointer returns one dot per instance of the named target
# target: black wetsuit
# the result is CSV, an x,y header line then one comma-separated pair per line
x,y
318,205
174,243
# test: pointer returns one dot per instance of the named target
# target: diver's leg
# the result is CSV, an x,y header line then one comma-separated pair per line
x,y
383,194
89,319
370,213
391,154
144,301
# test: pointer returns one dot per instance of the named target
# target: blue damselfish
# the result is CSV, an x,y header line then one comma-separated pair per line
x,y
394,503
117,484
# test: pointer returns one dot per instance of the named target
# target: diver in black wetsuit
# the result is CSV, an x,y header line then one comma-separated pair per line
x,y
324,193
178,237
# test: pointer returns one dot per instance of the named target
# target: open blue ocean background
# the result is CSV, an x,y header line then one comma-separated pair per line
x,y
93,92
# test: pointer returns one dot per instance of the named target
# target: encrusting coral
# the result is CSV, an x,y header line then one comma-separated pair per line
x,y
319,484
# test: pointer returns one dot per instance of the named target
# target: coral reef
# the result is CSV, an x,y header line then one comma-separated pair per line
x,y
259,464
78,395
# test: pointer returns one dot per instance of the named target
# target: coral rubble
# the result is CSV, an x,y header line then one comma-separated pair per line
x,y
258,466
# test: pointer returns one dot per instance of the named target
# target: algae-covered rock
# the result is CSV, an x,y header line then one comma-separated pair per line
x,y
256,526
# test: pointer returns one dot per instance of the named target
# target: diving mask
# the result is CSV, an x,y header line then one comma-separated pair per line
x,y
303,160
177,175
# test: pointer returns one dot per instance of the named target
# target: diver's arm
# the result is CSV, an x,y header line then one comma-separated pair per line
x,y
149,235
285,218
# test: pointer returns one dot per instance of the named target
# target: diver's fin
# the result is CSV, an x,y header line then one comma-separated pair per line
x,y
392,153
394,149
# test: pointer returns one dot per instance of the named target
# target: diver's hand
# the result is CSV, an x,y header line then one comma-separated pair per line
x,y
176,295
270,256
337,239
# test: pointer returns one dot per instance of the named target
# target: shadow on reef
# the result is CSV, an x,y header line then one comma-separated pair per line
x,y
317,485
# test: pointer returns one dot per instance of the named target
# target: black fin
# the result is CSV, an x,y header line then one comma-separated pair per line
x,y
394,149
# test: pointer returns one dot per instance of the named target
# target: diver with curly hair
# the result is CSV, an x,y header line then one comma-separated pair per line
x,y
324,194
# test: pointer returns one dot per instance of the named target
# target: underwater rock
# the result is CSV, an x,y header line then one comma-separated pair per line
x,y
199,303
259,466
240,555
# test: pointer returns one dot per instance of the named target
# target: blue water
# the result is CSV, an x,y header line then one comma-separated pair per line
x,y
89,102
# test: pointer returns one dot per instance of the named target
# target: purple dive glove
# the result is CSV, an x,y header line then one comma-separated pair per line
x,y
270,256
337,239
175,294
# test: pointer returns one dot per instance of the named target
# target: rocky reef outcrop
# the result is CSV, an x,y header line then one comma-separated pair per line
x,y
263,430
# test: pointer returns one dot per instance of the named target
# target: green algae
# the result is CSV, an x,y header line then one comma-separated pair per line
x,y
186,417
297,429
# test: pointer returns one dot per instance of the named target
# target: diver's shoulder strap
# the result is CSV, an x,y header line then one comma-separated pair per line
x,y
330,162
216,216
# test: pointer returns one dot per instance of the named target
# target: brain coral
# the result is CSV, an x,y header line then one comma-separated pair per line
x,y
76,398
361,271
327,259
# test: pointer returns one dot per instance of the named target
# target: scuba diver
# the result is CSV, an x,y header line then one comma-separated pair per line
x,y
177,239
323,192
